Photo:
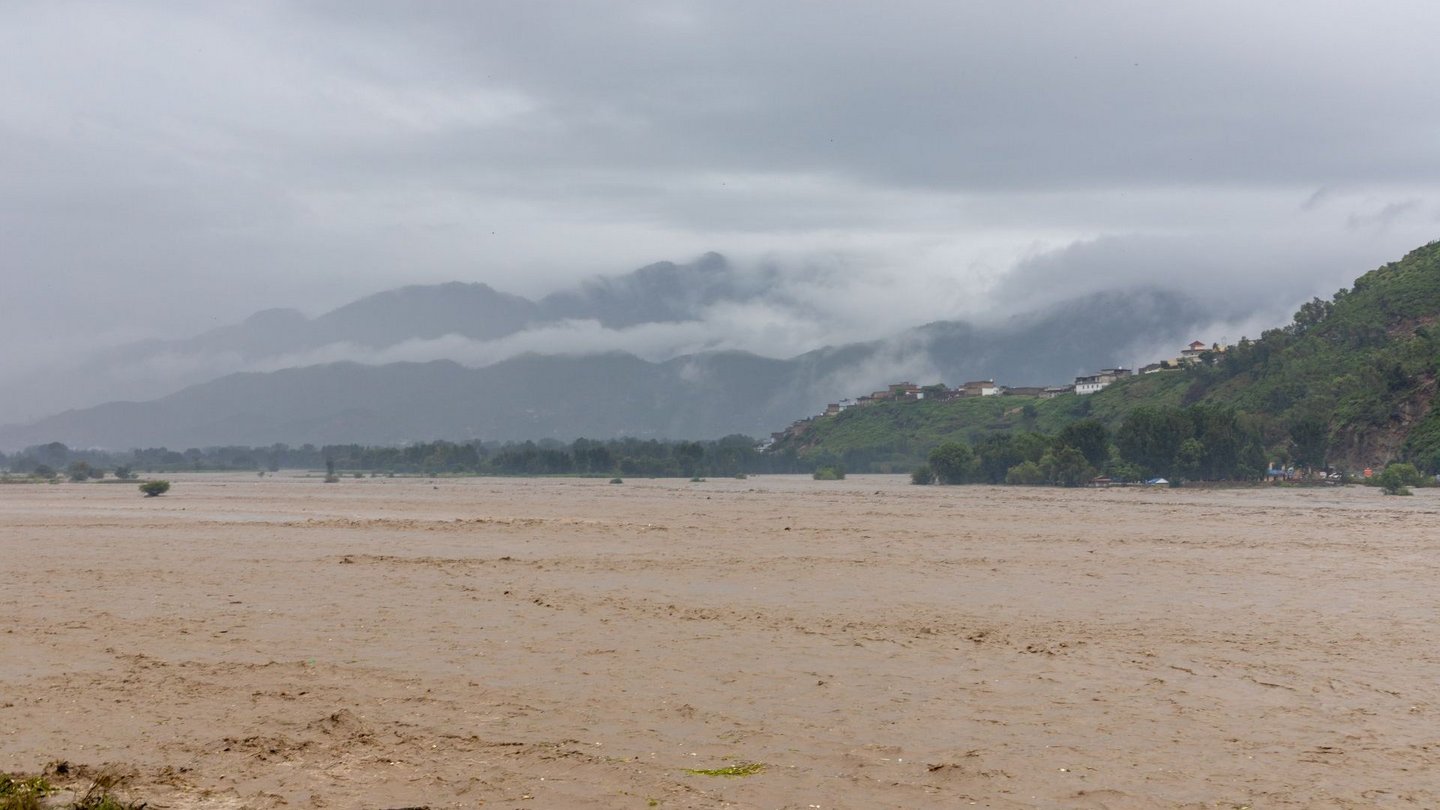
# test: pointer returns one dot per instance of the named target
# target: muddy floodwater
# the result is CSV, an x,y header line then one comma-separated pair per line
x,y
387,642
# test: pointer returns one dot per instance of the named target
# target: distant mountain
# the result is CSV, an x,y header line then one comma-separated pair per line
x,y
422,312
664,292
533,396
658,293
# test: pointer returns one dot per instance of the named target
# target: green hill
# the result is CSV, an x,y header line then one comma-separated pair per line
x,y
1363,363
1357,373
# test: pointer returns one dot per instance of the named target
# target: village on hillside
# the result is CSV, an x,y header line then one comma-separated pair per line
x,y
1195,353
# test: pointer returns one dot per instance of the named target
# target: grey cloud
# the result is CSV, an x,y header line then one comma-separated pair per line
x,y
1237,276
1317,199
1384,217
955,95
172,167
900,359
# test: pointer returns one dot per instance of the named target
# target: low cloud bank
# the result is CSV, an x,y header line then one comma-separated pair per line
x,y
796,304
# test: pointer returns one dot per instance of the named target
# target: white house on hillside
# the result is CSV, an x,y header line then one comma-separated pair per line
x,y
1095,382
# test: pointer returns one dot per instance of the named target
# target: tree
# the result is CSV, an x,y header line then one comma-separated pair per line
x,y
599,459
124,473
155,488
1026,473
1312,313
952,462
998,453
1221,439
1190,459
1151,437
1398,478
1031,446
1392,481
1310,438
922,475
78,471
1088,436
689,455
1066,467
1125,471
54,455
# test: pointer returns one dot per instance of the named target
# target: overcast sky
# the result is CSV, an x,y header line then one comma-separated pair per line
x,y
166,167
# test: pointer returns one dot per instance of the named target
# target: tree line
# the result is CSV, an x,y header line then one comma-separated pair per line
x,y
1199,442
731,455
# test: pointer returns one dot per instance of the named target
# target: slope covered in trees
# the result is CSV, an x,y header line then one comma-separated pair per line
x,y
1350,382
1359,367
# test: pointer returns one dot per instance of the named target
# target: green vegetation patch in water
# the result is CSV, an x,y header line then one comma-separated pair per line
x,y
743,769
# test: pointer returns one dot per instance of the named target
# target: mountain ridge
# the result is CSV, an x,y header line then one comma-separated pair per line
x,y
475,311
600,395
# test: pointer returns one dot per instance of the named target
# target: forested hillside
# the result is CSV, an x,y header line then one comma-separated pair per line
x,y
1349,383
1362,364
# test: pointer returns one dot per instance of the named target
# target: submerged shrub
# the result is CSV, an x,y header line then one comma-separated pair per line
x,y
1398,478
23,793
154,488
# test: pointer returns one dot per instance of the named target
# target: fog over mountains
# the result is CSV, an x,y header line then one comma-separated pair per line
x,y
231,182
650,353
